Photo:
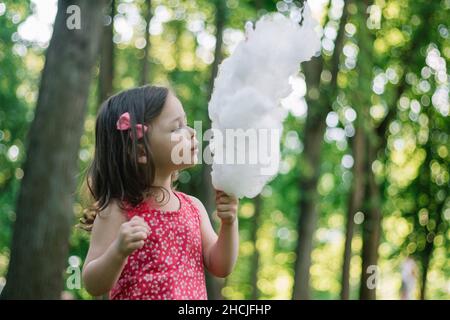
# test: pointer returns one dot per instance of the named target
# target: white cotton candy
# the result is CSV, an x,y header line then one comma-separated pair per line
x,y
246,95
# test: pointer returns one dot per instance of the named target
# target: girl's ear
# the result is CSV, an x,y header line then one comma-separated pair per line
x,y
142,158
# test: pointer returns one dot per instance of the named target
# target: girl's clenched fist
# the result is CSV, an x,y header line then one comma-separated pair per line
x,y
131,236
226,206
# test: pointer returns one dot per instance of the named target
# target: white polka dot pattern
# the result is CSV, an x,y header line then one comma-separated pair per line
x,y
170,264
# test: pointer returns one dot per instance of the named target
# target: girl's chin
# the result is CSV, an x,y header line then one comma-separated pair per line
x,y
186,166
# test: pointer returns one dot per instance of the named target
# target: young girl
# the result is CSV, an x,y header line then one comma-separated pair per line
x,y
148,240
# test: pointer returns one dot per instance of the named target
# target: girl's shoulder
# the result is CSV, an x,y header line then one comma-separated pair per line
x,y
183,195
114,210
130,210
109,220
196,203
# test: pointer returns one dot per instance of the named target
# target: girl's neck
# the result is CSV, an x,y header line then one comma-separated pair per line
x,y
163,180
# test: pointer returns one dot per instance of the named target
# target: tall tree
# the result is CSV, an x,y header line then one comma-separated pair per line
x,y
435,206
145,58
214,285
362,101
355,203
106,72
318,108
428,196
256,222
377,142
220,17
44,207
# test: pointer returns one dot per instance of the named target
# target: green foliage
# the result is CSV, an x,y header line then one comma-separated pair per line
x,y
412,168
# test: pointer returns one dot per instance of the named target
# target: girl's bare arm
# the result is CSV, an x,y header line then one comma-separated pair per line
x,y
220,252
113,238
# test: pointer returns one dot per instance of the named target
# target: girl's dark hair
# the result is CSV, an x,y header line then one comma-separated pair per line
x,y
115,172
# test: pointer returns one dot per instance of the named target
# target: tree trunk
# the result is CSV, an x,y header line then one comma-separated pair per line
x,y
255,257
308,202
371,234
207,192
44,208
372,226
207,195
313,139
145,62
354,205
106,72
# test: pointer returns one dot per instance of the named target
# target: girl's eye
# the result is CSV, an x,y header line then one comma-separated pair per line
x,y
180,125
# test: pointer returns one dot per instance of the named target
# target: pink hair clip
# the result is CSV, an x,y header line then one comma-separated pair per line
x,y
124,123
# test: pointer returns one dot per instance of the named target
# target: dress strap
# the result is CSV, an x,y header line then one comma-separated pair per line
x,y
188,200
130,210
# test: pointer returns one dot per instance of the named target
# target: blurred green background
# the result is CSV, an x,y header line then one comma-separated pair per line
x,y
365,149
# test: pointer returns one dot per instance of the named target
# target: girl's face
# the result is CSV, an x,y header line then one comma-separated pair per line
x,y
172,141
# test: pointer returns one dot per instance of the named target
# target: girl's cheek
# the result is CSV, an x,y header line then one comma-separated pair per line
x,y
182,137
176,137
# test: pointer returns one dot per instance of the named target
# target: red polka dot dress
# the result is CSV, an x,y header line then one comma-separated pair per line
x,y
170,264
